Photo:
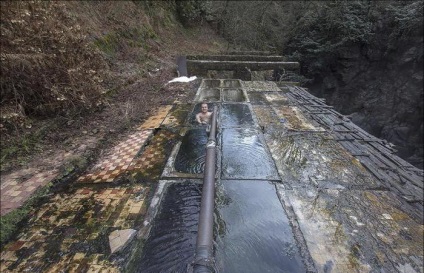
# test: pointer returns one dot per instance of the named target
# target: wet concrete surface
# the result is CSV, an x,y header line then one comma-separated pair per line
x,y
253,231
231,84
212,94
245,156
233,95
235,115
250,86
276,98
69,232
293,119
257,98
177,115
211,83
316,160
266,117
148,165
357,230
325,211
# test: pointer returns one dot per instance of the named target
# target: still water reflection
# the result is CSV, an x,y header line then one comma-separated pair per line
x,y
254,234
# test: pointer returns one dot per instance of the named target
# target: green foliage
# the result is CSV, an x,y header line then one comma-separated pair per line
x,y
108,43
407,22
112,42
191,11
9,224
21,146
327,27
161,12
314,32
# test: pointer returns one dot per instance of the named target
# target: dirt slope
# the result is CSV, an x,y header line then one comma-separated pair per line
x,y
87,71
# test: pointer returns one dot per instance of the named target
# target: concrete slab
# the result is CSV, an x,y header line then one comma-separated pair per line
x,y
119,239
292,118
260,86
357,231
70,230
312,159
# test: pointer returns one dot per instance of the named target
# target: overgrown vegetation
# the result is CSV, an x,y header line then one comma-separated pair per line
x,y
313,31
364,57
48,67
64,60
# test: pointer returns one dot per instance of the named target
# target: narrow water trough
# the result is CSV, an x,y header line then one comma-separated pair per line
x,y
251,230
233,95
211,83
244,156
211,94
170,245
191,155
251,233
236,115
231,84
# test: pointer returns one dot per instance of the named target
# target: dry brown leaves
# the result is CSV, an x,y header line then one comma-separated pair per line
x,y
48,67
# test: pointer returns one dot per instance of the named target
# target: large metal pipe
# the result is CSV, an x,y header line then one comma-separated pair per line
x,y
203,261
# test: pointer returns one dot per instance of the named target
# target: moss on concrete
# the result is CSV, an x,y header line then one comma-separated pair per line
x,y
11,222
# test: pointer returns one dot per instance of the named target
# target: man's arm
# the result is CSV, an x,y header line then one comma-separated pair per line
x,y
198,118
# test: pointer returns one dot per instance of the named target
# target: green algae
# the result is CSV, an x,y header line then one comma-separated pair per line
x,y
354,256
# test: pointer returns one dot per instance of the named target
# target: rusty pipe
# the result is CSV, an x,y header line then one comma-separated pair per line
x,y
203,261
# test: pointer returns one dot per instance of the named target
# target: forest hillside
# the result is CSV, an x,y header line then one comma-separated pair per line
x,y
364,57
75,69
62,63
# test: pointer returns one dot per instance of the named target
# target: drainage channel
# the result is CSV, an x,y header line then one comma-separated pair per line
x,y
247,230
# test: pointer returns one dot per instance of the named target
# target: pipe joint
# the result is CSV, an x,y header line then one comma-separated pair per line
x,y
211,143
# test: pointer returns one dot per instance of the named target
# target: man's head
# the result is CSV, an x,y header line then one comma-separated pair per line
x,y
204,107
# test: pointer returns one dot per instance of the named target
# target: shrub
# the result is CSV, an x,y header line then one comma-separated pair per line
x,y
48,66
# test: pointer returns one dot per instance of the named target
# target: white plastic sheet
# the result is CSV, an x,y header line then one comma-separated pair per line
x,y
183,79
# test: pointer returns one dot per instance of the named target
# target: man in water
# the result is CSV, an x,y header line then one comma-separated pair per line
x,y
204,116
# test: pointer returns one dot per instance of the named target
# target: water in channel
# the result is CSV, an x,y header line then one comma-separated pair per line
x,y
192,152
244,156
252,232
235,95
170,246
210,95
236,115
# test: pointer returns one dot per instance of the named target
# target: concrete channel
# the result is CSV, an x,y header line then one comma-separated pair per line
x,y
289,197
295,192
